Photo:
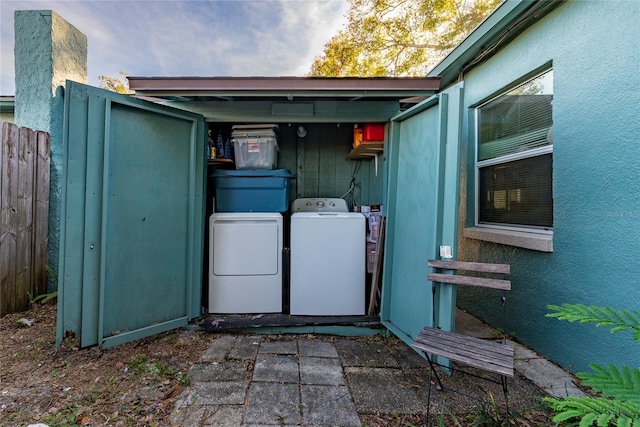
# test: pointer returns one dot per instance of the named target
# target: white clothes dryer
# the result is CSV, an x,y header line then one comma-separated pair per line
x,y
328,258
245,262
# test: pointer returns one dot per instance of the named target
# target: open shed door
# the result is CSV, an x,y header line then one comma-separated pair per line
x,y
131,218
422,209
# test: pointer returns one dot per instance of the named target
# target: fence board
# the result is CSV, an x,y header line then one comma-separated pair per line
x,y
41,206
24,212
9,209
25,217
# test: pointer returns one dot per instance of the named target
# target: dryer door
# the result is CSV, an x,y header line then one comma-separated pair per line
x,y
245,248
245,258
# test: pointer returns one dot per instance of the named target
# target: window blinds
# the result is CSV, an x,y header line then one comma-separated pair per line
x,y
518,120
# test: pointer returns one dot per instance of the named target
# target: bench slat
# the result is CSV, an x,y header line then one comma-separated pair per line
x,y
489,366
453,339
479,267
468,353
490,362
472,351
470,281
462,346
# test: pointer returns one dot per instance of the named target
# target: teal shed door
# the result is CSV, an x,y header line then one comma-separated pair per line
x,y
132,217
422,212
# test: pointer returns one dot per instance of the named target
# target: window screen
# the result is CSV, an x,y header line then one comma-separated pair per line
x,y
517,192
514,156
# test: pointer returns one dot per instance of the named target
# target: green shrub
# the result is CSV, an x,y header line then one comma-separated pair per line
x,y
618,389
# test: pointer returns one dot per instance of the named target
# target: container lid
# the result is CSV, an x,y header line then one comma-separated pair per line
x,y
240,131
228,173
259,126
253,137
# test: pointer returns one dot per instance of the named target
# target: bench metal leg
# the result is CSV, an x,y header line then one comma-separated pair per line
x,y
505,390
433,369
440,387
429,394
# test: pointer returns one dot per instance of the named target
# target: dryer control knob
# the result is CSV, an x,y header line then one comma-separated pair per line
x,y
320,204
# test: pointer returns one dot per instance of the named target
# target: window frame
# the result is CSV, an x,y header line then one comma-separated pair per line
x,y
538,151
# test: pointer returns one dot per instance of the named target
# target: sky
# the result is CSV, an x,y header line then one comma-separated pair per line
x,y
188,37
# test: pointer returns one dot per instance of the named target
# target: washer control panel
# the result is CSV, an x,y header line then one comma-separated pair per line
x,y
319,205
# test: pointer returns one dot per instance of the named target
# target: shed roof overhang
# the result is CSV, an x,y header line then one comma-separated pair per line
x,y
288,99
504,24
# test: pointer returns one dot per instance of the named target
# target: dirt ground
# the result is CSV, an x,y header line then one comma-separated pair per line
x,y
134,384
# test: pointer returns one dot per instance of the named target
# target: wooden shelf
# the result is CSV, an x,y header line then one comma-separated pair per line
x,y
219,161
366,150
221,164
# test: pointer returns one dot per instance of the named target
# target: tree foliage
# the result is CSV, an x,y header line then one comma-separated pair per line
x,y
398,37
619,388
115,84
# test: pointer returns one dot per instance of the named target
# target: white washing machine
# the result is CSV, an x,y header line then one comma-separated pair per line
x,y
245,262
328,258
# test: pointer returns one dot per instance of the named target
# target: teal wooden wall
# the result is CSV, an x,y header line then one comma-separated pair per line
x,y
319,161
596,182
412,223
132,223
421,204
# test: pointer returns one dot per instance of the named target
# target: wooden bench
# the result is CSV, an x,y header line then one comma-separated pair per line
x,y
492,356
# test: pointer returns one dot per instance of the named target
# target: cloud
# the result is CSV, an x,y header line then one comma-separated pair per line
x,y
318,23
189,38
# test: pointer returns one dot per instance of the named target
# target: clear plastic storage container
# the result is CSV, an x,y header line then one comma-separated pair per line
x,y
255,152
255,146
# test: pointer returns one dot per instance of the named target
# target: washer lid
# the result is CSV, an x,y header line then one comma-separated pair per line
x,y
297,216
313,204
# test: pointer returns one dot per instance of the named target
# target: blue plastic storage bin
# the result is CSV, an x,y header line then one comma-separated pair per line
x,y
252,190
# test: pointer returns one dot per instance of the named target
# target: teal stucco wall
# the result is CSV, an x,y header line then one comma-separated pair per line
x,y
48,51
592,48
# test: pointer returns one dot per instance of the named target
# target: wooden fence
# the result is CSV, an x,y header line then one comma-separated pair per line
x,y
24,214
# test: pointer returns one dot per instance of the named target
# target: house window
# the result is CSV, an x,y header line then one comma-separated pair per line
x,y
515,155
